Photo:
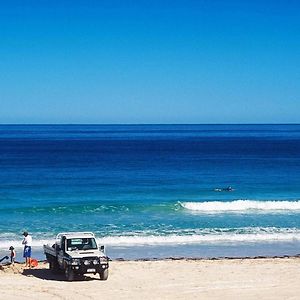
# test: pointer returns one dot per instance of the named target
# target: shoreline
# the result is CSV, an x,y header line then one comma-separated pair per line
x,y
190,251
208,259
183,258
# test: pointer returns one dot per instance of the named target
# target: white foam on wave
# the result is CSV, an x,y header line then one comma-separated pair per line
x,y
211,236
241,206
194,239
201,236
5,244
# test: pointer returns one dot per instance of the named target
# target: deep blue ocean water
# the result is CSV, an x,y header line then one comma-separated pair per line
x,y
149,190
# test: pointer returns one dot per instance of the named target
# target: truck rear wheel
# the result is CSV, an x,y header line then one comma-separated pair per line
x,y
69,273
53,266
104,274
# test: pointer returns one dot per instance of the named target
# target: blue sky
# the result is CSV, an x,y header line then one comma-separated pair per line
x,y
150,61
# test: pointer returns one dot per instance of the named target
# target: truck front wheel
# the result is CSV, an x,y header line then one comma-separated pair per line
x,y
69,274
104,274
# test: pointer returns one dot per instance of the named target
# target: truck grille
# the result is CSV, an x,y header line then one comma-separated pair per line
x,y
90,261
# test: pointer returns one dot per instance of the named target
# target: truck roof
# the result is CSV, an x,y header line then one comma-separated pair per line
x,y
75,235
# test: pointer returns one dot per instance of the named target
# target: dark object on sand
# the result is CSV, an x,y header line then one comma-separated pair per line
x,y
5,257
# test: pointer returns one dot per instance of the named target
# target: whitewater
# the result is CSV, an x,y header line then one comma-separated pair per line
x,y
198,236
242,206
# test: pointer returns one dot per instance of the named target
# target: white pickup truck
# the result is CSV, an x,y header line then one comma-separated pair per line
x,y
77,253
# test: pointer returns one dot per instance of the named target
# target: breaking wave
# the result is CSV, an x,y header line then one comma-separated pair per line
x,y
209,236
200,236
242,206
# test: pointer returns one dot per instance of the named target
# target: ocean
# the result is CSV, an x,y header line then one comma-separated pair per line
x,y
153,191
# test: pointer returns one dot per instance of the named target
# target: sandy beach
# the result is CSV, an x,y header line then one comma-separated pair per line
x,y
268,278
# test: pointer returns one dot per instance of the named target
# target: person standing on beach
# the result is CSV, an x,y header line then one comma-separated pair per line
x,y
12,255
27,242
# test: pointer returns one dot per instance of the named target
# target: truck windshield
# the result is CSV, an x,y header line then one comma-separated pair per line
x,y
81,244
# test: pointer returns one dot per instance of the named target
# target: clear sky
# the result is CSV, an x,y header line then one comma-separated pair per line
x,y
212,61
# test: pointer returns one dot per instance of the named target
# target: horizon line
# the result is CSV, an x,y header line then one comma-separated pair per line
x,y
137,124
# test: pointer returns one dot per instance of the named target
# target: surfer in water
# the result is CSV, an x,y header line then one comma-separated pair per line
x,y
227,189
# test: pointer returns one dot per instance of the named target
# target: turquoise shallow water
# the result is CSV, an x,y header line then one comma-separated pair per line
x,y
152,187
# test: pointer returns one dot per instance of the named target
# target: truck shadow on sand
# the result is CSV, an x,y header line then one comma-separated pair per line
x,y
48,275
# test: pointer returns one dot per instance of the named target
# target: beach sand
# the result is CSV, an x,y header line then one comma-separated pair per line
x,y
268,278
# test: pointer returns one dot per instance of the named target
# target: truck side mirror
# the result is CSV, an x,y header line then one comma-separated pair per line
x,y
102,247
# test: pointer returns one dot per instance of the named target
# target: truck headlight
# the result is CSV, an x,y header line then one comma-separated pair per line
x,y
75,262
103,259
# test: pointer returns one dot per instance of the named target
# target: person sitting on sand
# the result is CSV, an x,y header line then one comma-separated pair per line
x,y
12,255
27,242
